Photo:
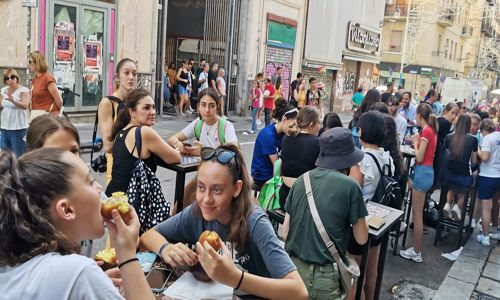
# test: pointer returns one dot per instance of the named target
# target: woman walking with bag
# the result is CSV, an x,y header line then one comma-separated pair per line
x,y
45,97
15,100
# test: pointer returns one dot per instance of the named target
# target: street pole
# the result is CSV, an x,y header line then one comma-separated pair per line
x,y
404,44
28,47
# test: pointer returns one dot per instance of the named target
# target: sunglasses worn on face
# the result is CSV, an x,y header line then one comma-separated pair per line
x,y
223,156
11,77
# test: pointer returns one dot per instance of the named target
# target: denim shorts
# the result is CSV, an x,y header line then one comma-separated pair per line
x,y
182,90
423,178
488,186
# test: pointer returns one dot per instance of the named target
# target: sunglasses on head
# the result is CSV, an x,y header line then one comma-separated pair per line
x,y
11,77
223,156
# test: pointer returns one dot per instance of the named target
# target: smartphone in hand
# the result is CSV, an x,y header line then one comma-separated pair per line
x,y
157,279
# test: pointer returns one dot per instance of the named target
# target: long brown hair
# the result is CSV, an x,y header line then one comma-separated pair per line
x,y
241,206
307,115
458,138
27,188
131,102
425,111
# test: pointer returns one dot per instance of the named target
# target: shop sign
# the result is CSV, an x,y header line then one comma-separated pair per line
x,y
29,3
390,74
426,71
362,39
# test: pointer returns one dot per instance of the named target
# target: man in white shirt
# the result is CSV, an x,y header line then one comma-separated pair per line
x,y
203,79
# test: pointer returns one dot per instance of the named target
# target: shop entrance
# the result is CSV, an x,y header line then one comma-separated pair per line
x,y
78,54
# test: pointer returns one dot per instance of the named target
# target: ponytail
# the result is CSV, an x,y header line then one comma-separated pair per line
x,y
27,189
424,109
433,123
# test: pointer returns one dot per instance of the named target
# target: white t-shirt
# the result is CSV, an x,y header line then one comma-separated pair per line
x,y
370,170
13,117
55,276
204,85
491,167
222,83
401,125
209,135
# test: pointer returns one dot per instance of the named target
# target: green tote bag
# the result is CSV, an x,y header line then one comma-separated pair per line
x,y
269,194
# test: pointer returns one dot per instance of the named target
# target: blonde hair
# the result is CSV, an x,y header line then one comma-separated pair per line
x,y
9,72
39,59
221,70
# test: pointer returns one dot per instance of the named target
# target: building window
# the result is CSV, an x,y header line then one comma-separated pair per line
x,y
455,52
446,48
396,37
439,43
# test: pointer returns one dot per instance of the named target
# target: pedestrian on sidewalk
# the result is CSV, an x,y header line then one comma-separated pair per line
x,y
489,180
313,96
269,104
109,107
182,85
255,106
260,80
15,100
221,88
300,94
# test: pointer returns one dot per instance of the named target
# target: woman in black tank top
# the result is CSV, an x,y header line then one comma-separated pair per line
x,y
139,112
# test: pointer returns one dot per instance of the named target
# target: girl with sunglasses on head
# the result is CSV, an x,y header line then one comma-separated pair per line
x,y
224,204
14,99
268,142
50,203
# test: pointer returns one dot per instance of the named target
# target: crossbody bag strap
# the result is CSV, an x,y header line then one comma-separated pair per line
x,y
94,134
138,141
317,220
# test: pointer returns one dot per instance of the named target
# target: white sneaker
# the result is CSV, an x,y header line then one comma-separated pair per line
x,y
495,235
483,239
411,255
447,211
457,213
473,223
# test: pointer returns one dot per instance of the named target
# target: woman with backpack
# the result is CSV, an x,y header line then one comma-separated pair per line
x,y
107,111
372,131
422,177
462,148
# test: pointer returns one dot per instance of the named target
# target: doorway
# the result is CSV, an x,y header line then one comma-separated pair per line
x,y
78,39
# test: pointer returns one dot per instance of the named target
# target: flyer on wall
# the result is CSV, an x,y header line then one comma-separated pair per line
x,y
93,57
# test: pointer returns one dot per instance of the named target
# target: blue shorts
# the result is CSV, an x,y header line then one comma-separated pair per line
x,y
423,178
488,186
181,90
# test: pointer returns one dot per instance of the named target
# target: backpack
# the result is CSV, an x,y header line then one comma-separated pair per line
x,y
221,126
270,191
388,191
112,99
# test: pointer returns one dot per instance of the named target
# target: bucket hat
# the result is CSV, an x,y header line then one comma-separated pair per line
x,y
337,150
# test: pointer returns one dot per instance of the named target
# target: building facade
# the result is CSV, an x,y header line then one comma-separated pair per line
x,y
82,41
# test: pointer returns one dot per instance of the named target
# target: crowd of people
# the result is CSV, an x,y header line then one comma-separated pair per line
x,y
50,202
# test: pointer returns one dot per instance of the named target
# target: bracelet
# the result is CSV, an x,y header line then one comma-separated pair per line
x,y
127,261
163,248
241,280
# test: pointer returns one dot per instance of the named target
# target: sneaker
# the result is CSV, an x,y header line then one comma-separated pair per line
x,y
251,131
411,255
483,239
447,211
495,235
473,223
457,213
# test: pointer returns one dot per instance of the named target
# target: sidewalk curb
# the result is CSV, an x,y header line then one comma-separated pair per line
x,y
464,275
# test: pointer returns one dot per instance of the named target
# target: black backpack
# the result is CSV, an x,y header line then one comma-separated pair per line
x,y
388,191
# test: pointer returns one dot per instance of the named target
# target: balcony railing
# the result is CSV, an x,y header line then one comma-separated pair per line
x,y
446,17
487,28
391,10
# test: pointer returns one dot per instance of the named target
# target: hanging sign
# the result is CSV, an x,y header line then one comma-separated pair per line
x,y
29,3
362,39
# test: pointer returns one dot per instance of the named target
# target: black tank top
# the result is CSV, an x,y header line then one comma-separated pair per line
x,y
124,163
183,75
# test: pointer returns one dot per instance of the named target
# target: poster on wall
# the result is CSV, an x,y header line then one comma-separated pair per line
x,y
64,44
93,57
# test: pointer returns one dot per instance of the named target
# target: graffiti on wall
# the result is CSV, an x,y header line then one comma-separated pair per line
x,y
280,57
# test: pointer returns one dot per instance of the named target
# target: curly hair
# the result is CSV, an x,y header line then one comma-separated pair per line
x,y
243,204
27,188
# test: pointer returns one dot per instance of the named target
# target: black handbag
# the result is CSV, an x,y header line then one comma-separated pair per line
x,y
144,192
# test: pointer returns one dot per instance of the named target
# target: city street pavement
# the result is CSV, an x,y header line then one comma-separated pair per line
x,y
403,279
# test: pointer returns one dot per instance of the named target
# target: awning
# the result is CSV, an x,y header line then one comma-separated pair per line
x,y
355,56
